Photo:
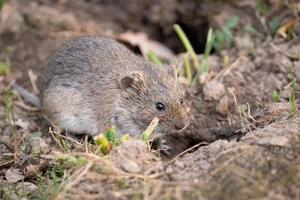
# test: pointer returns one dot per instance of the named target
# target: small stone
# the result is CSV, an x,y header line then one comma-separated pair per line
x,y
38,146
25,188
169,170
223,105
280,141
243,42
213,90
179,164
130,166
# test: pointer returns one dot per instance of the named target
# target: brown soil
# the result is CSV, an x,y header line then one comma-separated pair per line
x,y
240,145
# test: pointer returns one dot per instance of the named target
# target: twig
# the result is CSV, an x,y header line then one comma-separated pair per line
x,y
21,104
236,104
6,164
187,150
69,183
10,148
228,68
33,78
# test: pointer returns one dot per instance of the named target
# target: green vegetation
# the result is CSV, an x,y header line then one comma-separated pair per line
x,y
292,99
200,68
2,3
4,68
108,140
187,45
154,58
74,161
150,129
9,113
224,35
191,54
50,184
253,31
274,24
275,96
208,47
261,7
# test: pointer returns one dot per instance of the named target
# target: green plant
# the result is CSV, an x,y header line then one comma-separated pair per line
x,y
154,58
204,62
275,96
150,129
253,31
108,140
187,67
50,184
274,24
4,68
224,36
9,112
292,98
200,68
261,6
2,3
187,45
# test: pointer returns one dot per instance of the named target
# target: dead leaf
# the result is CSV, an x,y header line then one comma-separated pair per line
x,y
13,175
145,44
16,144
289,25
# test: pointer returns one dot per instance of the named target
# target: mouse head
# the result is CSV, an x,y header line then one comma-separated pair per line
x,y
145,95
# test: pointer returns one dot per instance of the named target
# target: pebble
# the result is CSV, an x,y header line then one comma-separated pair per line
x,y
213,90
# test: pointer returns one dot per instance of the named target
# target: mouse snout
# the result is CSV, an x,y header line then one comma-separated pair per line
x,y
180,125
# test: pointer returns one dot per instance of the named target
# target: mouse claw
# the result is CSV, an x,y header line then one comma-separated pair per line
x,y
165,148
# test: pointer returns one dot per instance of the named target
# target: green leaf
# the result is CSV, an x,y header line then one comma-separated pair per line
x,y
77,161
274,24
292,98
232,22
154,58
219,40
261,7
2,4
149,130
275,96
4,69
253,31
111,135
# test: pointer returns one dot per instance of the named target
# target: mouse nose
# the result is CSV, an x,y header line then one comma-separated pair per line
x,y
179,125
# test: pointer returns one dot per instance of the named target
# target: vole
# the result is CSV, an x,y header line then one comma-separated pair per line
x,y
93,83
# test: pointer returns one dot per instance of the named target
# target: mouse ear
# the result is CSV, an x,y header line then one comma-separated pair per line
x,y
135,80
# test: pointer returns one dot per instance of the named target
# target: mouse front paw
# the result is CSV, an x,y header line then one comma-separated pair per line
x,y
163,146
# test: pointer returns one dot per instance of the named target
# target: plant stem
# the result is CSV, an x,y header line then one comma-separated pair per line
x,y
187,45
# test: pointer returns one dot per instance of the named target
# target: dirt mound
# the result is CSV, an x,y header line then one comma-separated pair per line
x,y
244,137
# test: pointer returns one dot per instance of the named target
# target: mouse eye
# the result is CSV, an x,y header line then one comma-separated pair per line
x,y
181,101
160,106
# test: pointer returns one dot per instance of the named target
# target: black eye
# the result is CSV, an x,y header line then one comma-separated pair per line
x,y
181,101
160,106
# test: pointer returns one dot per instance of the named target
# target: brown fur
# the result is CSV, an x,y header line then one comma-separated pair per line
x,y
92,83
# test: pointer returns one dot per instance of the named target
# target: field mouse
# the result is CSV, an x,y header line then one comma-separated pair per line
x,y
93,83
